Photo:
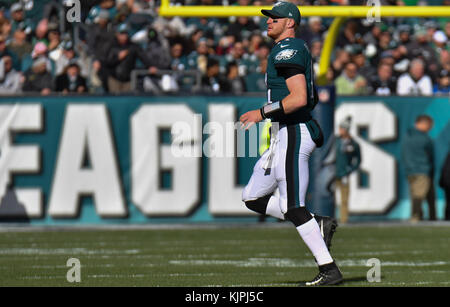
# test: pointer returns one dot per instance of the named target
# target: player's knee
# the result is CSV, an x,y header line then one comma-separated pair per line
x,y
258,205
298,215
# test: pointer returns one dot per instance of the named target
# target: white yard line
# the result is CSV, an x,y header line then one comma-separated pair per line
x,y
290,263
11,227
65,251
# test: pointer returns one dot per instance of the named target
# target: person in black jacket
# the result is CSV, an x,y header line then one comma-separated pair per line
x,y
444,183
38,79
383,83
70,81
100,38
122,61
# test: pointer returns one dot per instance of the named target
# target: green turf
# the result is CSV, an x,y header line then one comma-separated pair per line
x,y
273,256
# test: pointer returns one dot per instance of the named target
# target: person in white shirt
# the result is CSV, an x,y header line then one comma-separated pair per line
x,y
10,79
415,82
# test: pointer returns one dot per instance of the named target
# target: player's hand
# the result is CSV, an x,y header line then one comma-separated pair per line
x,y
250,118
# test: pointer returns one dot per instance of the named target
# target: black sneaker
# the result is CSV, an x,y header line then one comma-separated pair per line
x,y
328,227
329,274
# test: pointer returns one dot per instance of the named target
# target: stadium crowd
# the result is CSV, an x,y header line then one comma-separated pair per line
x,y
40,51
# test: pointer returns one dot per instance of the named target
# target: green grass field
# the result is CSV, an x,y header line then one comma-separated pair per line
x,y
230,256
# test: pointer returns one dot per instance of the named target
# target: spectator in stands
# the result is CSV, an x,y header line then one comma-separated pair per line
x,y
358,57
431,26
5,27
122,60
311,32
341,59
316,49
418,159
19,44
415,82
10,79
404,34
105,5
53,36
371,37
100,38
40,50
401,60
387,57
157,50
439,42
71,81
383,84
66,55
246,63
208,26
212,81
443,85
192,43
444,60
234,83
5,50
255,41
255,80
385,43
123,11
178,59
38,79
350,82
350,35
173,27
420,48
17,15
198,59
447,29
241,28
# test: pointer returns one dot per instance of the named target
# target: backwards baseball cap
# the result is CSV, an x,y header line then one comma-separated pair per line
x,y
284,9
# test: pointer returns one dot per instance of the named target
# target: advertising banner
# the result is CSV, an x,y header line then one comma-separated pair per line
x,y
136,160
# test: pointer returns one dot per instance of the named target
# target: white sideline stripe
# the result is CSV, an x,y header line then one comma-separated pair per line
x,y
89,276
107,265
65,251
43,277
288,263
117,276
17,227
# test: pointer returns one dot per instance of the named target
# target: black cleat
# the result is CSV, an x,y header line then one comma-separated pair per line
x,y
329,274
328,227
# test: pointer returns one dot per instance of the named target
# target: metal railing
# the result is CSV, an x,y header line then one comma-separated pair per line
x,y
176,74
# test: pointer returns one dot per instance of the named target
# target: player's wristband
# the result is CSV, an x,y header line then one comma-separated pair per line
x,y
271,110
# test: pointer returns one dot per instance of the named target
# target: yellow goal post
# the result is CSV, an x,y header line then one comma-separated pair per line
x,y
341,13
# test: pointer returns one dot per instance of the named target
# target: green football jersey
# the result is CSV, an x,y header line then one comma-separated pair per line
x,y
290,52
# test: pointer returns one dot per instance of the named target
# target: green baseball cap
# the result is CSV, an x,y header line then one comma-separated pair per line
x,y
284,9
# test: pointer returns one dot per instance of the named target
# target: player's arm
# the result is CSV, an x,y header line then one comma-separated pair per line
x,y
297,93
296,84
296,99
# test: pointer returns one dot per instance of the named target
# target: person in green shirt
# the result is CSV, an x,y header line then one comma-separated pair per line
x,y
350,82
418,159
348,160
